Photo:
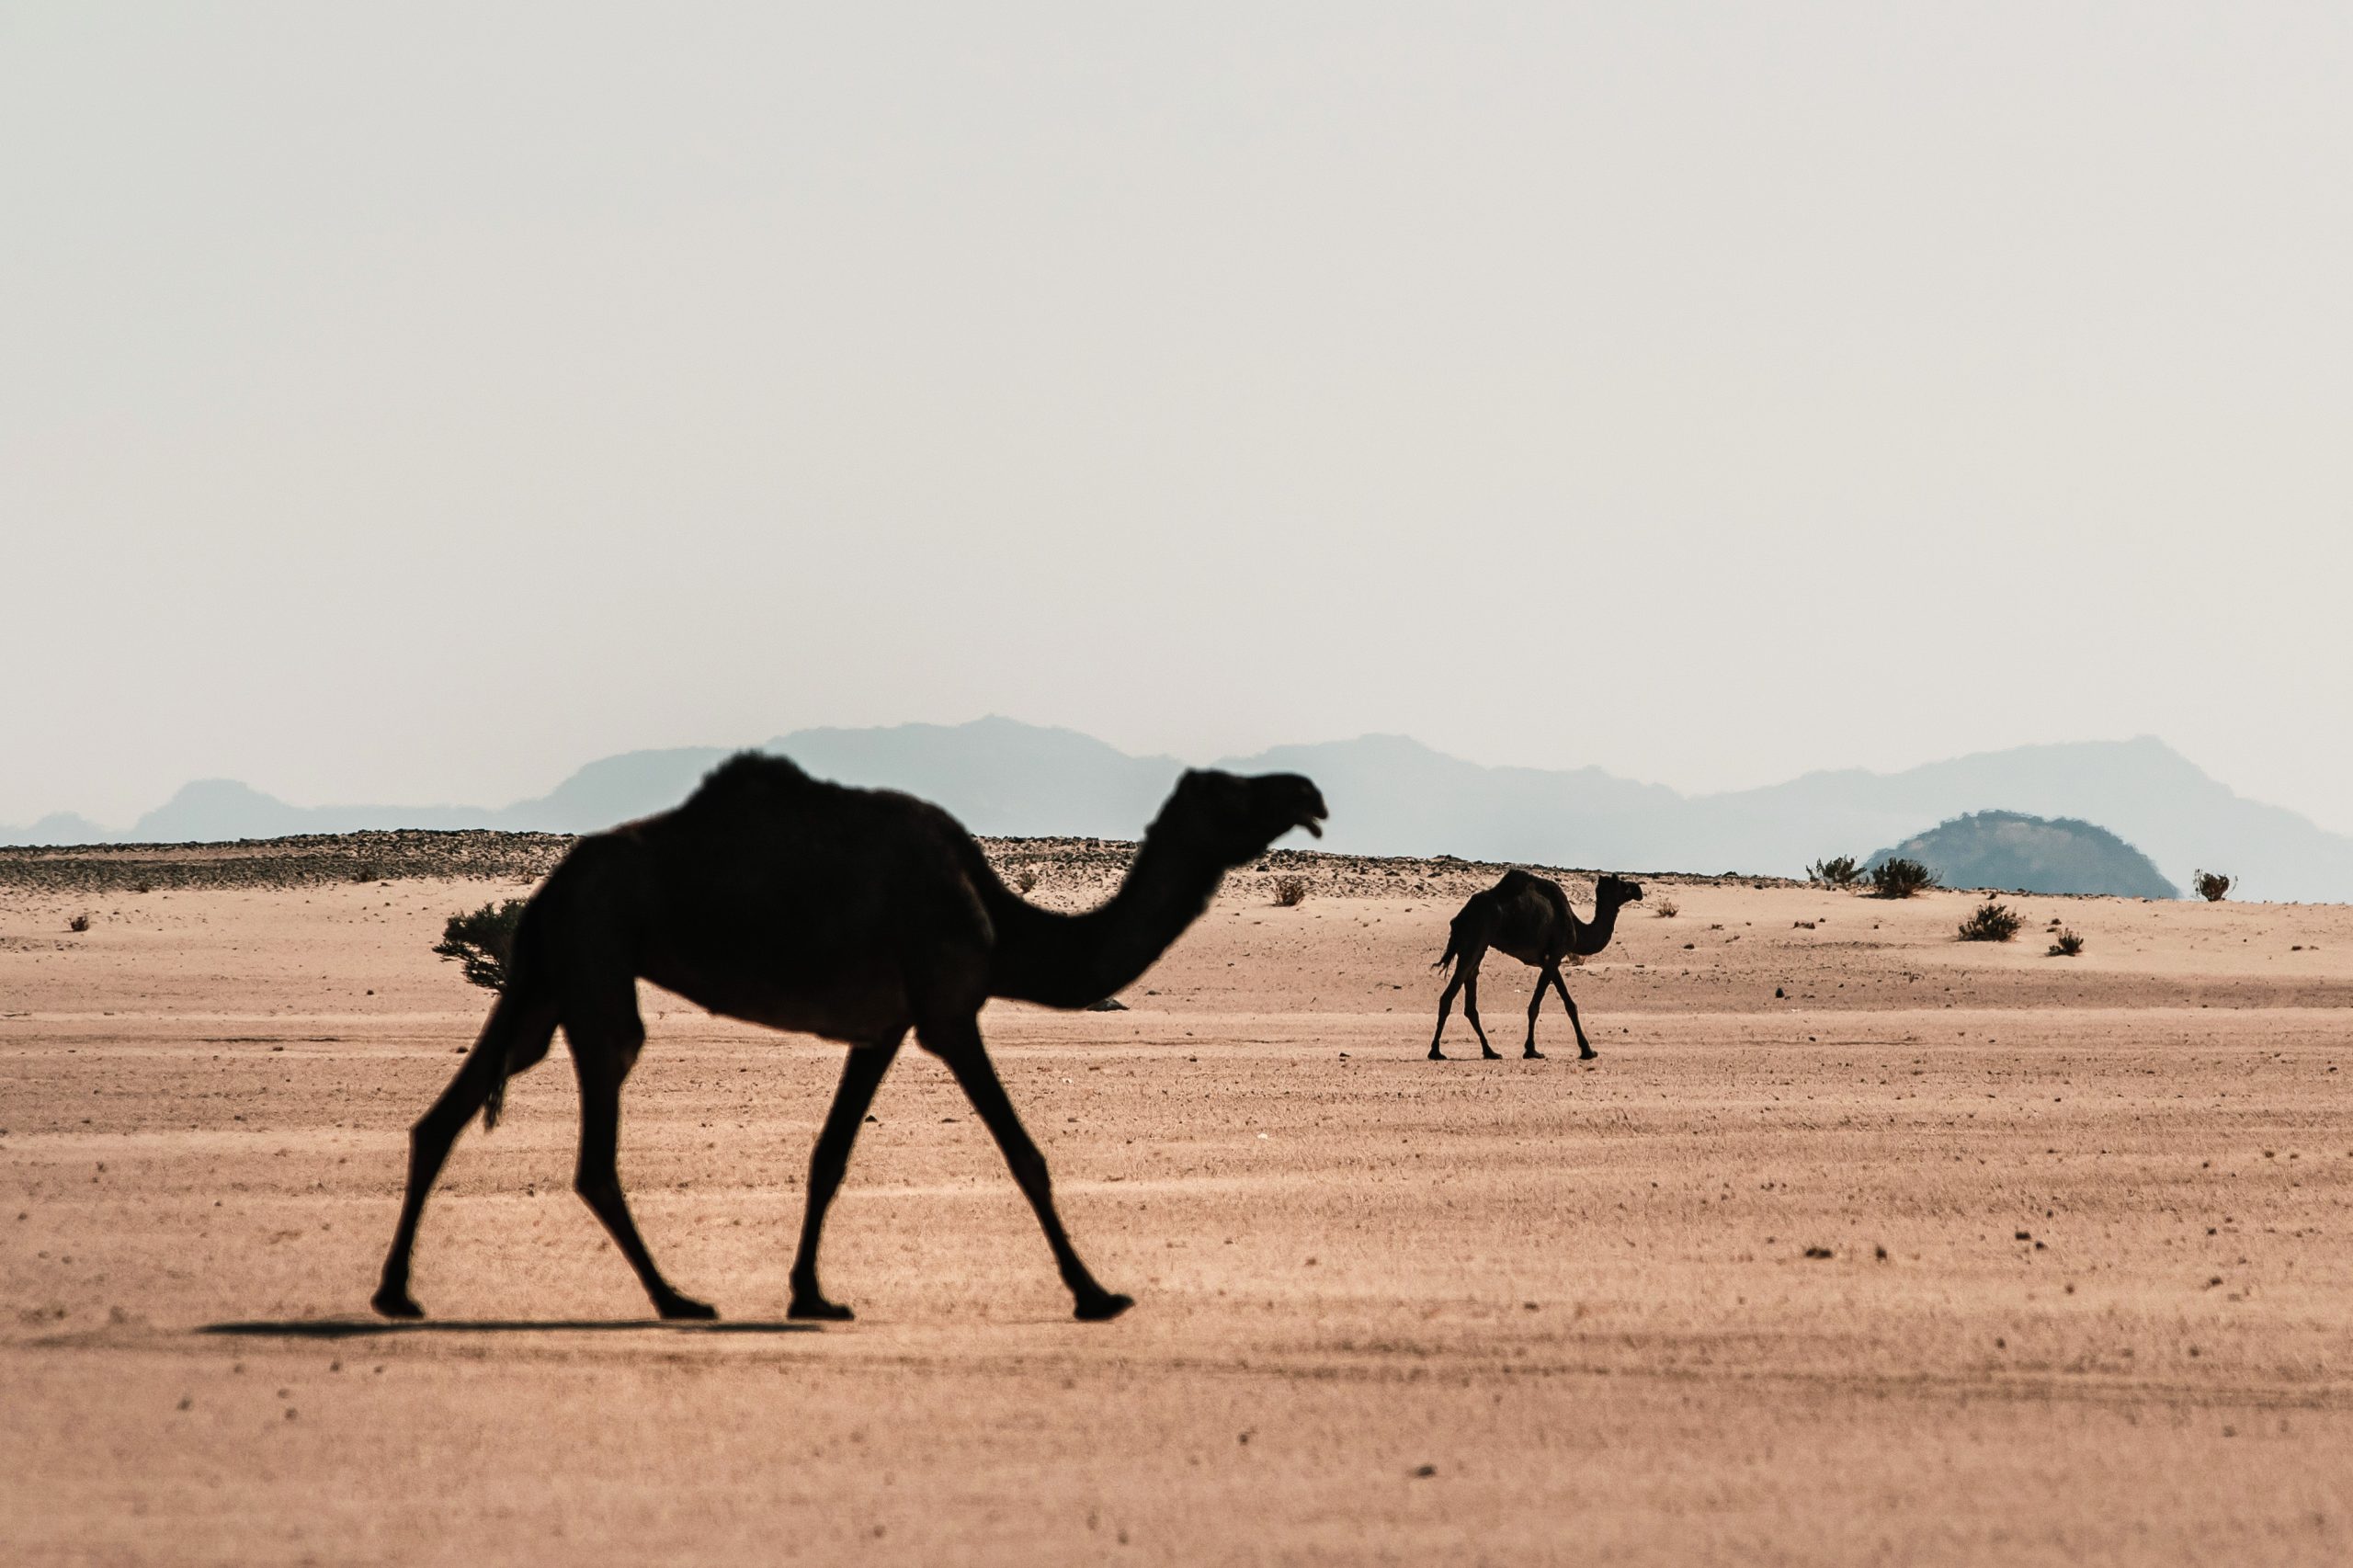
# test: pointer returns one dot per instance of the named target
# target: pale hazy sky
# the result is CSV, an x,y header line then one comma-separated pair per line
x,y
409,402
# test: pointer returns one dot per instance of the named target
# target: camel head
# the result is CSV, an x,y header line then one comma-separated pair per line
x,y
1613,890
1233,819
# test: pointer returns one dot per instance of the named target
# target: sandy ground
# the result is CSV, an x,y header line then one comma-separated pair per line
x,y
2087,1296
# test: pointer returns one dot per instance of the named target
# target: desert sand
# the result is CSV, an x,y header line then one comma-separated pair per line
x,y
1858,1244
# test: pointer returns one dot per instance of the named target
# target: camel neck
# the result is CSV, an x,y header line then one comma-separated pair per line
x,y
1069,961
1597,932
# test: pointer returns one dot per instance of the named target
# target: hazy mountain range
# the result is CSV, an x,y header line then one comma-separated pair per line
x,y
1392,795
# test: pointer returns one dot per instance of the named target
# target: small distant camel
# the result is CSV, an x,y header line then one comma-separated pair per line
x,y
1530,918
857,914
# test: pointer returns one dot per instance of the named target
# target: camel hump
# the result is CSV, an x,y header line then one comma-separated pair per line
x,y
745,778
1514,883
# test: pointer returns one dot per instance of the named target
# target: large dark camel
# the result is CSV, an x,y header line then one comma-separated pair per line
x,y
1530,918
857,914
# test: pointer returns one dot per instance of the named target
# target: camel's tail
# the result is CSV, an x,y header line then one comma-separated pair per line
x,y
514,1039
516,1036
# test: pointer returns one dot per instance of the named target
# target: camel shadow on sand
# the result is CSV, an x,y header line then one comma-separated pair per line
x,y
364,1328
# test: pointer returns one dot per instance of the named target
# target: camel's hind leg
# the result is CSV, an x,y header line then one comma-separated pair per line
x,y
959,1045
861,1075
1466,973
606,1035
1471,1012
515,1035
1584,1047
1445,1004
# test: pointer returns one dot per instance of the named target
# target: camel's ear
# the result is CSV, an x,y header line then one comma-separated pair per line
x,y
1196,794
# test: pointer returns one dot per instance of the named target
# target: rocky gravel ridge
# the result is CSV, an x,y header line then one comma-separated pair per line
x,y
1058,870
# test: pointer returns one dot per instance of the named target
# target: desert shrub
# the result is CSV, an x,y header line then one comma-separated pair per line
x,y
1665,908
1992,923
2066,945
1899,878
79,923
2212,886
1290,892
484,942
1839,871
1026,879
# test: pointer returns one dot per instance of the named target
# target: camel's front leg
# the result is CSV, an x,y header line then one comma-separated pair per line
x,y
959,1045
861,1075
1535,1001
1584,1047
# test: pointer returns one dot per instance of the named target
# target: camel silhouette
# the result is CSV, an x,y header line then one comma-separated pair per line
x,y
857,914
1530,918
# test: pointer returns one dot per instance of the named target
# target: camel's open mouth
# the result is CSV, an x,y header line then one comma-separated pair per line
x,y
1306,800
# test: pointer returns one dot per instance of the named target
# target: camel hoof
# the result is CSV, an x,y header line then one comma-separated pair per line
x,y
1531,1054
1490,1056
394,1302
819,1309
1588,1054
1102,1308
685,1308
1441,1056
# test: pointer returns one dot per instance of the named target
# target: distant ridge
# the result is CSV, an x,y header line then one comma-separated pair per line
x,y
1391,795
2026,854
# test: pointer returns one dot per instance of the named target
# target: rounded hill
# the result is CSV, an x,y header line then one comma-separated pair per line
x,y
2026,854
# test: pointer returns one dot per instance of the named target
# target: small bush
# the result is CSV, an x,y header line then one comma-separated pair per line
x,y
1992,923
2066,945
2212,886
1026,879
484,942
1665,908
1839,871
1290,892
1899,878
79,923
